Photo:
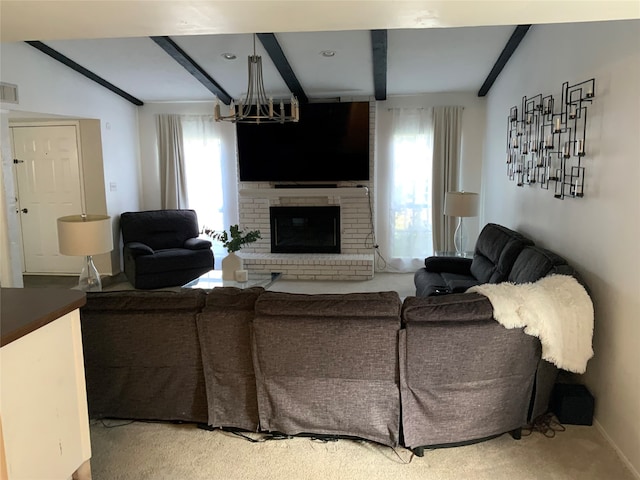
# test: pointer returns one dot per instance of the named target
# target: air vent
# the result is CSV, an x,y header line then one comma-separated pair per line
x,y
8,93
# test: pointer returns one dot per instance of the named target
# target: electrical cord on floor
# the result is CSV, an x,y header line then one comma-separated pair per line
x,y
546,424
324,439
264,438
405,462
246,437
123,423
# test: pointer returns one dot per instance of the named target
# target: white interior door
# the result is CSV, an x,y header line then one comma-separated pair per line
x,y
48,187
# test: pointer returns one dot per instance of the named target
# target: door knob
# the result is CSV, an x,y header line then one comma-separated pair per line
x,y
25,210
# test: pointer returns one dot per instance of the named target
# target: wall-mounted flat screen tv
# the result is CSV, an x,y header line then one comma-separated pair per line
x,y
330,143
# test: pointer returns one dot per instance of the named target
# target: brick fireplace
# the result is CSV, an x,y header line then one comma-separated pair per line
x,y
355,260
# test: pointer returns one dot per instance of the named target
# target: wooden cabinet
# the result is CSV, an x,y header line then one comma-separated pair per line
x,y
43,405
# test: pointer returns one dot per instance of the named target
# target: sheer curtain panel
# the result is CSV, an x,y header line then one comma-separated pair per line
x,y
210,169
173,188
404,191
447,139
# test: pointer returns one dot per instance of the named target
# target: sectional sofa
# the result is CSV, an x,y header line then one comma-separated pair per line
x,y
429,371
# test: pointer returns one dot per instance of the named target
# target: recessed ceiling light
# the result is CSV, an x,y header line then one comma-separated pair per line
x,y
229,56
328,53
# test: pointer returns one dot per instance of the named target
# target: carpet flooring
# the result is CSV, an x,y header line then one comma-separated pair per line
x,y
159,451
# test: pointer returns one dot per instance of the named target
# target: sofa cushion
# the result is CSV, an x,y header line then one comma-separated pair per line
x,y
448,264
160,229
496,250
533,263
133,300
163,261
367,305
457,283
458,307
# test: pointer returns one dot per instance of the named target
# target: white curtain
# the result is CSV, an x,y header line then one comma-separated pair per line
x,y
173,188
210,172
447,135
404,191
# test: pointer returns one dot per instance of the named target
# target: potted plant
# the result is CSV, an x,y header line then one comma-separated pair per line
x,y
233,241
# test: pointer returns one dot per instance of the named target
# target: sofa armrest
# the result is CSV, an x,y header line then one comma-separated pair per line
x,y
197,244
456,307
457,265
139,248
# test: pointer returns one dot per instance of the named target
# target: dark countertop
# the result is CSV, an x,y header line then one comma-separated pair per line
x,y
23,310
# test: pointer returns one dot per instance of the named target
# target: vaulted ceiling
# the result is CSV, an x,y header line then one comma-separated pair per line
x,y
166,54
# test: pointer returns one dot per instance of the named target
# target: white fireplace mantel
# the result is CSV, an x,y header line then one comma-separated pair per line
x,y
305,192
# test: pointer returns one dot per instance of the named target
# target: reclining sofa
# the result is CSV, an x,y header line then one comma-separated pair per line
x,y
429,371
500,255
162,248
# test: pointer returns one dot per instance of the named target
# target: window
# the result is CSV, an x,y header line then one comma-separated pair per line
x,y
404,191
211,186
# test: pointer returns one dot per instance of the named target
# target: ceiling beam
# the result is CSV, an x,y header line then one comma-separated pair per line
x,y
516,37
190,65
379,50
83,71
271,45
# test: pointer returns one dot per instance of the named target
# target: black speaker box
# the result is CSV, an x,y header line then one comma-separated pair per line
x,y
572,403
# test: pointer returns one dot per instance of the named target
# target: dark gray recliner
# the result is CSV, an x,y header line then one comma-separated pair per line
x,y
495,252
463,376
327,364
162,248
142,356
224,331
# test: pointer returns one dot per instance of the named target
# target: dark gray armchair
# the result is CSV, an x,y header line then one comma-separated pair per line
x,y
162,248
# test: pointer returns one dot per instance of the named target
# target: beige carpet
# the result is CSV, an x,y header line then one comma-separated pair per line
x,y
183,452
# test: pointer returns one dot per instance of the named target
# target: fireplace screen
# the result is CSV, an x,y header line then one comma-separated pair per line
x,y
305,229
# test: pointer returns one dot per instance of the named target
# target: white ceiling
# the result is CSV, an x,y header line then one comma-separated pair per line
x,y
426,60
419,59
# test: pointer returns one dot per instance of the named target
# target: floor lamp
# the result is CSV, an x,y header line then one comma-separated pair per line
x,y
86,235
460,204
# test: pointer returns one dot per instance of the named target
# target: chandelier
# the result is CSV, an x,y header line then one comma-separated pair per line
x,y
256,107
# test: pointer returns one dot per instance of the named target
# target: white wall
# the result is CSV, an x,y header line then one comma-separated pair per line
x,y
473,135
597,234
51,89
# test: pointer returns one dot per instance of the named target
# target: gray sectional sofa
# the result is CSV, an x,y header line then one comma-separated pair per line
x,y
430,371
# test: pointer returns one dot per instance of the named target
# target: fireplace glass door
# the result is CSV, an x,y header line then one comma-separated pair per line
x,y
305,229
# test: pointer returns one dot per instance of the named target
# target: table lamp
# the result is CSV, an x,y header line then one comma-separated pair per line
x,y
460,204
86,235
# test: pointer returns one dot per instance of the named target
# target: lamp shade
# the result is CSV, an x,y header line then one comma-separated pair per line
x,y
85,234
461,204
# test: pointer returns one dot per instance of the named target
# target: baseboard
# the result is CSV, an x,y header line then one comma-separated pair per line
x,y
622,456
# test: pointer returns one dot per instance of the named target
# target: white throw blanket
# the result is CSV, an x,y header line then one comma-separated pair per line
x,y
556,309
